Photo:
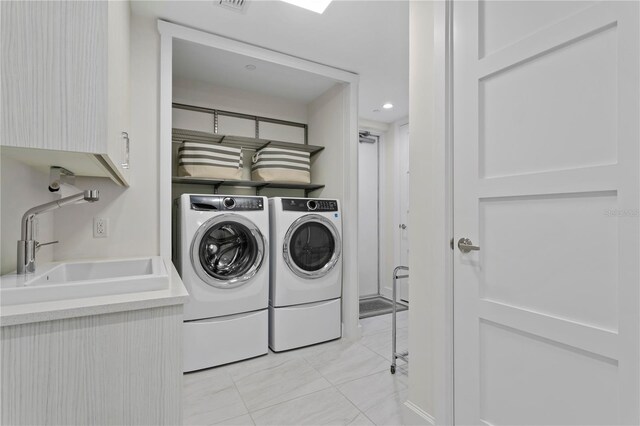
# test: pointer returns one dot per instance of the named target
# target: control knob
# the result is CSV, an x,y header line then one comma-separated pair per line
x,y
229,202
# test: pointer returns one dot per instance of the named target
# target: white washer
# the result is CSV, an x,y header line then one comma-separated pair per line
x,y
222,255
306,272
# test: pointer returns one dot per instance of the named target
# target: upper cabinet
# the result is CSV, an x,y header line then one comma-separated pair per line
x,y
65,86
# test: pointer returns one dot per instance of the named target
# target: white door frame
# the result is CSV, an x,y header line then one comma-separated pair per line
x,y
443,368
379,135
436,327
168,31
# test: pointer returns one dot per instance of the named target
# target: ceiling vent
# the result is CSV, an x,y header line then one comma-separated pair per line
x,y
237,5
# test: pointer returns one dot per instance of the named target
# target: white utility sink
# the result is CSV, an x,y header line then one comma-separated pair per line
x,y
81,279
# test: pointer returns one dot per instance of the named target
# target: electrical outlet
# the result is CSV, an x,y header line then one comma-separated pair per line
x,y
100,227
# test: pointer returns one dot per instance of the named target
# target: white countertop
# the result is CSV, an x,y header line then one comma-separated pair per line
x,y
175,294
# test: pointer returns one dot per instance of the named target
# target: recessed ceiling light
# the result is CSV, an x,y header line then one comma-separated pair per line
x,y
387,106
250,67
317,6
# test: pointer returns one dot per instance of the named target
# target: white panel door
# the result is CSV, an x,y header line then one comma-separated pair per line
x,y
368,225
546,183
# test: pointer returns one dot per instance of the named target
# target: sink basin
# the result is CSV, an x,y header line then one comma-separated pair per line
x,y
81,279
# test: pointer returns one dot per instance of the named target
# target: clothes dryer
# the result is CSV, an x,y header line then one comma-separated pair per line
x,y
306,272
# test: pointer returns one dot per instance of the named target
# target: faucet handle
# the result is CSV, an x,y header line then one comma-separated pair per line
x,y
38,244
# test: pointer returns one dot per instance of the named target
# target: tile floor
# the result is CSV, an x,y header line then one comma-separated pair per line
x,y
339,382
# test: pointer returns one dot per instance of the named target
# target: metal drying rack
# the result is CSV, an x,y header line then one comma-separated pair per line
x,y
404,355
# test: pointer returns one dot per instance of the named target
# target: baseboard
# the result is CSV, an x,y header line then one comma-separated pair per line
x,y
414,415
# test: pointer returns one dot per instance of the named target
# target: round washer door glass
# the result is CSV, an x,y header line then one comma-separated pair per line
x,y
312,246
227,251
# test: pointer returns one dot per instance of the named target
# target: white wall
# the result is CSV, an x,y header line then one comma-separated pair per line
x,y
23,188
133,212
421,155
214,96
388,200
389,181
429,316
326,128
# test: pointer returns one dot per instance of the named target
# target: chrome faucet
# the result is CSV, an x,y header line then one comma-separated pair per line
x,y
27,246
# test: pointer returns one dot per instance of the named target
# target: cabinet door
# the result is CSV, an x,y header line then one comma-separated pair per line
x,y
53,75
118,148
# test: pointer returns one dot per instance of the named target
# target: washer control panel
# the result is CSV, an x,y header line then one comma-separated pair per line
x,y
309,205
229,203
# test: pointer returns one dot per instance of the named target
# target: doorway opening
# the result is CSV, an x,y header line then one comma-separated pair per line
x,y
371,302
372,299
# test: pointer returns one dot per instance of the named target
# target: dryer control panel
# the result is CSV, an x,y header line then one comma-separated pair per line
x,y
223,202
309,205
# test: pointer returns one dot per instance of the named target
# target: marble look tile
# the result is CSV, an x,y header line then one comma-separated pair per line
x,y
240,370
245,420
346,362
293,387
210,397
380,343
385,318
326,407
292,378
375,325
390,411
361,420
373,390
402,372
402,319
316,349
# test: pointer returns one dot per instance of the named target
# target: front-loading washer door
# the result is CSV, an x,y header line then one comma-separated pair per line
x,y
227,250
312,246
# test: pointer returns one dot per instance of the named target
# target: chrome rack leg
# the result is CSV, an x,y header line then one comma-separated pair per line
x,y
394,352
393,323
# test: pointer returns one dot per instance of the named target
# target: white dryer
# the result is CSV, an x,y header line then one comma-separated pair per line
x,y
306,272
222,256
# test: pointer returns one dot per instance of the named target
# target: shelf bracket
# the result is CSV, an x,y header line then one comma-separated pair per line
x,y
259,188
263,146
308,191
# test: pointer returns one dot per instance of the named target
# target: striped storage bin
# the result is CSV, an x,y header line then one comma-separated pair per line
x,y
209,161
281,165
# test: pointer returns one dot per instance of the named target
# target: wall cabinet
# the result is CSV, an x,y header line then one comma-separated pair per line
x,y
65,85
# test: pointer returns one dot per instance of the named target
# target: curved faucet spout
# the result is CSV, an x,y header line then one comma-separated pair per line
x,y
27,245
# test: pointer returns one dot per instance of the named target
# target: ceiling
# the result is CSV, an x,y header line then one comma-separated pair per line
x,y
368,37
198,62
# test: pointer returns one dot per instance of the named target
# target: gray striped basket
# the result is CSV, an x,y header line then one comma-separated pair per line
x,y
281,165
209,161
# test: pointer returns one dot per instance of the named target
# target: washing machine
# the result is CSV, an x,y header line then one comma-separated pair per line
x,y
222,255
306,272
